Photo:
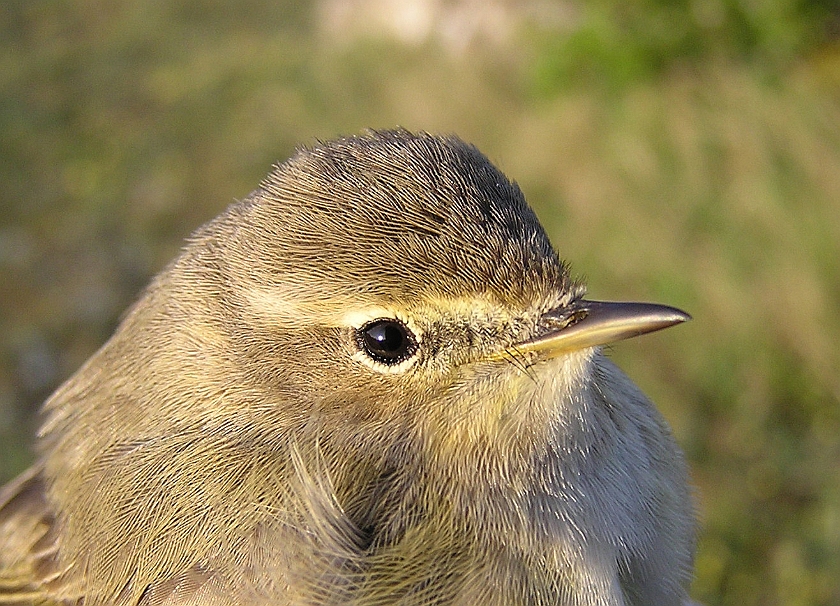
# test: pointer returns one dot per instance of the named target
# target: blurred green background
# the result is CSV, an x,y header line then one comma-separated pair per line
x,y
686,152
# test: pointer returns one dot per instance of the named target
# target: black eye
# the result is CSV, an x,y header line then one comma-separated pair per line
x,y
387,341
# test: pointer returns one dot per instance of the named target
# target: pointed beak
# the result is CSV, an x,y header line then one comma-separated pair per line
x,y
585,324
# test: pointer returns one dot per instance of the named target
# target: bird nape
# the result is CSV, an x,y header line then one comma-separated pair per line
x,y
372,381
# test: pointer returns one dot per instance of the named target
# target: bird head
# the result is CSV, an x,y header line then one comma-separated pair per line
x,y
384,308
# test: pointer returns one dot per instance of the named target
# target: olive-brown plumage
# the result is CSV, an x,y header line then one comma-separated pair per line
x,y
370,382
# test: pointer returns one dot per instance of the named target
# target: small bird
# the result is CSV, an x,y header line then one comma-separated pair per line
x,y
370,382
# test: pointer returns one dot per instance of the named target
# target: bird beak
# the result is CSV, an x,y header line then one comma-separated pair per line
x,y
585,324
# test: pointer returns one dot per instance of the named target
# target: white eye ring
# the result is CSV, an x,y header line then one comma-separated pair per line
x,y
385,341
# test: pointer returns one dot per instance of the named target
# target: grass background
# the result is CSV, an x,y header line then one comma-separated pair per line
x,y
681,152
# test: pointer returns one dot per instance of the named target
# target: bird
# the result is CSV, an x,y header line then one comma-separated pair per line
x,y
371,381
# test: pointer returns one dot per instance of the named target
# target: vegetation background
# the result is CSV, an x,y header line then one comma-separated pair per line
x,y
683,151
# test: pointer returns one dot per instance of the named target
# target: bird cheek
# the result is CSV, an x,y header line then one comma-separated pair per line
x,y
505,399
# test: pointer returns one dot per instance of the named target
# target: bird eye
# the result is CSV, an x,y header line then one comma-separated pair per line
x,y
387,341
